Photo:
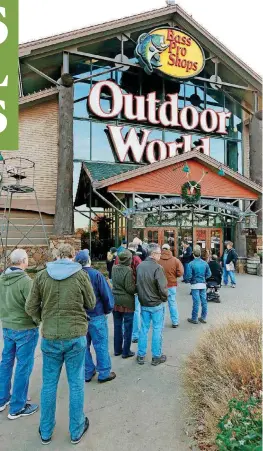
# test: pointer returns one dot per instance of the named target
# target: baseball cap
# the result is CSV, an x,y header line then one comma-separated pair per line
x,y
166,247
82,256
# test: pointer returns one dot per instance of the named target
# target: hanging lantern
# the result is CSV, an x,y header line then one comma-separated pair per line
x,y
186,168
1,157
221,171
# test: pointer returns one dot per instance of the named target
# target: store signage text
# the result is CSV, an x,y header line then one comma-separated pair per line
x,y
149,110
170,52
8,75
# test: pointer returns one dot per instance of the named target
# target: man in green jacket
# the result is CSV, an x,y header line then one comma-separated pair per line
x,y
20,334
59,297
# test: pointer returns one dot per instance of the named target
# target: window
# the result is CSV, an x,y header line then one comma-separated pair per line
x,y
232,155
217,149
81,140
100,145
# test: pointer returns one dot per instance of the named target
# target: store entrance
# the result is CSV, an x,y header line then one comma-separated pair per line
x,y
210,240
162,235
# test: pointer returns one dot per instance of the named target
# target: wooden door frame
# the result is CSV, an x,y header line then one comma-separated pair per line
x,y
208,231
160,231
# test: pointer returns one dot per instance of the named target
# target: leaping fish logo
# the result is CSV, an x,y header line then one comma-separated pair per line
x,y
148,51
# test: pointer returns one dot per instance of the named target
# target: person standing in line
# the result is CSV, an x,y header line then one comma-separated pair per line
x,y
198,273
59,297
122,247
132,247
111,257
152,292
229,259
173,269
123,284
20,333
98,325
186,258
140,250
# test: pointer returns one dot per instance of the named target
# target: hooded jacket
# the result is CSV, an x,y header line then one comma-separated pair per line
x,y
123,282
136,260
15,286
173,268
59,296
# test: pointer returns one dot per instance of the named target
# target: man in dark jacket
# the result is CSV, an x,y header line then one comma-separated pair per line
x,y
173,269
20,334
98,325
229,259
152,291
123,288
186,258
59,297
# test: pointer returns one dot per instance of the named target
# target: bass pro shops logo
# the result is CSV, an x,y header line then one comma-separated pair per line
x,y
170,52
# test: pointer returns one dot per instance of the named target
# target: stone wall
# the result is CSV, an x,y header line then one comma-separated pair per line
x,y
55,241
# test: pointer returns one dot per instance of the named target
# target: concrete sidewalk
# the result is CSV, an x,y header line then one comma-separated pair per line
x,y
145,407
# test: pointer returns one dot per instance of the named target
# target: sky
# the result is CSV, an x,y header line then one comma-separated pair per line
x,y
236,23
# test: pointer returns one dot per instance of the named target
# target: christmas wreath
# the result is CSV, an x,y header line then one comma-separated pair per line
x,y
195,196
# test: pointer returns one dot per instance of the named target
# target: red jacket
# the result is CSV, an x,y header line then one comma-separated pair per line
x,y
135,262
173,268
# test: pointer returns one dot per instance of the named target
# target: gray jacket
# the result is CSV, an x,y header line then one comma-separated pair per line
x,y
151,283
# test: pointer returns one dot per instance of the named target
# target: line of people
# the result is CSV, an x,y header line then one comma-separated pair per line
x,y
71,301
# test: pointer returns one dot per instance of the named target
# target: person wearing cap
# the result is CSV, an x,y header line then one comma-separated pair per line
x,y
123,284
140,250
173,269
122,247
98,326
132,247
111,257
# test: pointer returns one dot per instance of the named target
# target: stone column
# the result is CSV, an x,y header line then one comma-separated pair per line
x,y
64,216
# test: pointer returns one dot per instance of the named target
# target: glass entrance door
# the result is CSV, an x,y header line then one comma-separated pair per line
x,y
210,241
162,235
152,235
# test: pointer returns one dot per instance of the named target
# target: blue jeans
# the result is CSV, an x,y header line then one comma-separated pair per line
x,y
199,296
122,339
156,315
185,265
98,336
230,274
172,304
136,319
55,352
19,345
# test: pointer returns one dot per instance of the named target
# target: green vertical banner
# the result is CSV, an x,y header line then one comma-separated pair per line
x,y
8,75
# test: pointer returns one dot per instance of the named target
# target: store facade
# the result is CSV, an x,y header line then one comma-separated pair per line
x,y
154,133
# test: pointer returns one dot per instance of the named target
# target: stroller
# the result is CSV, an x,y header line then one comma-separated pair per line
x,y
212,290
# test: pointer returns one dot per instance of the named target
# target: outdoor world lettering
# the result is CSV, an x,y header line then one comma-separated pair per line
x,y
148,109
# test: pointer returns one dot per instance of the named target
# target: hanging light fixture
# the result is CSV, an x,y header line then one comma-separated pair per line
x,y
186,168
1,157
221,171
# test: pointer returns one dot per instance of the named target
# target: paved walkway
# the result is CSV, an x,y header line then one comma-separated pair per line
x,y
145,407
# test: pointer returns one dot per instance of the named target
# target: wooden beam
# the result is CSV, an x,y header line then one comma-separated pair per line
x,y
64,216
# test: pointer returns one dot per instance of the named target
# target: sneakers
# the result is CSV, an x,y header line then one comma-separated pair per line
x,y
192,321
86,427
174,326
157,360
108,379
2,408
140,360
233,285
29,409
131,354
135,340
201,320
43,440
89,380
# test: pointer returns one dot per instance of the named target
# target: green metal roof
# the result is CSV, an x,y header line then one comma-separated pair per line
x,y
101,171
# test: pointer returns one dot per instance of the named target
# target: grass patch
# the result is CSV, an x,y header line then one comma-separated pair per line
x,y
225,365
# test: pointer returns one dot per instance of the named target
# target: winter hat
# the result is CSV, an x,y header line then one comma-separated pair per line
x,y
125,258
82,257
113,250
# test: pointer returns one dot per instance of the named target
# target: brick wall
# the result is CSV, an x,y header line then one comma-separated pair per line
x,y
38,141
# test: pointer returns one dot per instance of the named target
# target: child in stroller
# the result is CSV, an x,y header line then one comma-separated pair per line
x,y
213,284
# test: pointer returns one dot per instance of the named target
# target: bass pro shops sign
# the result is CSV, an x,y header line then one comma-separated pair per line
x,y
139,147
170,52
